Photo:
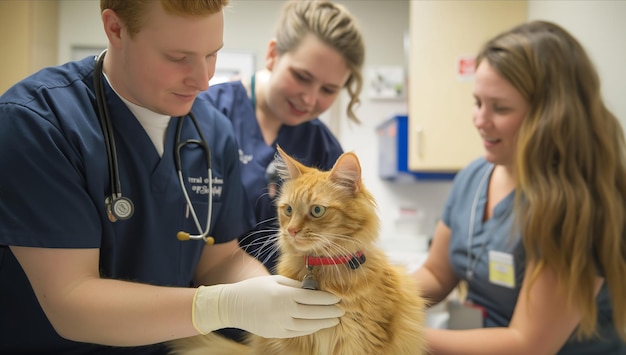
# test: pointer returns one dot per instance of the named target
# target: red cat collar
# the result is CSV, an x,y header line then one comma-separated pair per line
x,y
354,260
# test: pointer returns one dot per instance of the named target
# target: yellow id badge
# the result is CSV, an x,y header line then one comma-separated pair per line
x,y
501,269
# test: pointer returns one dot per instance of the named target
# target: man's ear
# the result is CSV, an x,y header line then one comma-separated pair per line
x,y
112,27
271,56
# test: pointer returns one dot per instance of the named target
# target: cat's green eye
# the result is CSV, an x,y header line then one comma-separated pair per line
x,y
318,211
288,210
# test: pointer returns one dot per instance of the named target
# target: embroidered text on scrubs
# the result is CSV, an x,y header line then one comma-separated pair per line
x,y
200,186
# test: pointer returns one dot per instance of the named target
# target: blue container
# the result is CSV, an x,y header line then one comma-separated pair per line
x,y
393,158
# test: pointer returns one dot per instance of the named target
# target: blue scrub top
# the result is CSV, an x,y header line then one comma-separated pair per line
x,y
55,180
311,143
498,234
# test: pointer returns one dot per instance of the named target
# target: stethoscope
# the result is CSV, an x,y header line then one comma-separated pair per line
x,y
473,260
119,207
471,264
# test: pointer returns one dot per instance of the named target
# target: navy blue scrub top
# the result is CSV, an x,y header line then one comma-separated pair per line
x,y
55,180
311,143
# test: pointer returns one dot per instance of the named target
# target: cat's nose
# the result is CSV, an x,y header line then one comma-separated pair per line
x,y
293,231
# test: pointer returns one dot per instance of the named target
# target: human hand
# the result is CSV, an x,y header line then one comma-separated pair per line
x,y
269,306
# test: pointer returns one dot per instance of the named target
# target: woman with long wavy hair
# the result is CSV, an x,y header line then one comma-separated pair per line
x,y
536,227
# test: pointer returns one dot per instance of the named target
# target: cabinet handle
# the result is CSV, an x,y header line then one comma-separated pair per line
x,y
418,140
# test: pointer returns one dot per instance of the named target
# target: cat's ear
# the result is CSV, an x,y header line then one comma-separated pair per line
x,y
287,167
347,171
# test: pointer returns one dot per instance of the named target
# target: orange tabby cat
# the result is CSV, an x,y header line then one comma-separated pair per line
x,y
328,221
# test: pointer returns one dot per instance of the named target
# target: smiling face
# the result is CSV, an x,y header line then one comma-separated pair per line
x,y
304,82
167,63
498,114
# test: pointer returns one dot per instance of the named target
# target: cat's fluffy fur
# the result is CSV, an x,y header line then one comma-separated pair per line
x,y
384,313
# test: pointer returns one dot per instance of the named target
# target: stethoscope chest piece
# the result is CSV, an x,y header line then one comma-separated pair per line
x,y
119,208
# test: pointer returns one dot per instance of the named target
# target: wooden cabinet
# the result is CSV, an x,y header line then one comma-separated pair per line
x,y
392,155
441,134
28,38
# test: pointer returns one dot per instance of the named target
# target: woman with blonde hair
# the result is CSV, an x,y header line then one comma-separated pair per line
x,y
317,51
536,227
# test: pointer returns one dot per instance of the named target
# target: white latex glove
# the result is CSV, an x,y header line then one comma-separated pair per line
x,y
270,306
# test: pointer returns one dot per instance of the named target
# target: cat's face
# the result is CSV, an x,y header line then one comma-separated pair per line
x,y
325,212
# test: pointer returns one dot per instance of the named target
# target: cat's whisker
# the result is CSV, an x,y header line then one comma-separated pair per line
x,y
262,245
269,248
342,238
243,270
273,220
263,232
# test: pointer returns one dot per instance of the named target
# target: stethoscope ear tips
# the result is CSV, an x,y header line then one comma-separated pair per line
x,y
119,208
182,236
186,236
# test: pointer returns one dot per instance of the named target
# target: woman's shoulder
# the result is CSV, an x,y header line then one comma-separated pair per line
x,y
227,86
312,141
314,130
473,172
314,126
464,188
227,96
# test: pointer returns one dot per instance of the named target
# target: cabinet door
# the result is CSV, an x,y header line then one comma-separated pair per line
x,y
441,134
28,31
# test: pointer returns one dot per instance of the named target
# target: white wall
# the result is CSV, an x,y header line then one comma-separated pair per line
x,y
600,26
79,25
250,24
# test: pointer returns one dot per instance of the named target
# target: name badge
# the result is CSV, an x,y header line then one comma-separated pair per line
x,y
501,269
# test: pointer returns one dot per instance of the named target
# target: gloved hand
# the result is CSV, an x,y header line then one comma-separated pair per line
x,y
269,306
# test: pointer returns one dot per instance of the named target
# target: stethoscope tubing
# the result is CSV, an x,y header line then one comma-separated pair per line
x,y
177,161
471,260
107,128
116,202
